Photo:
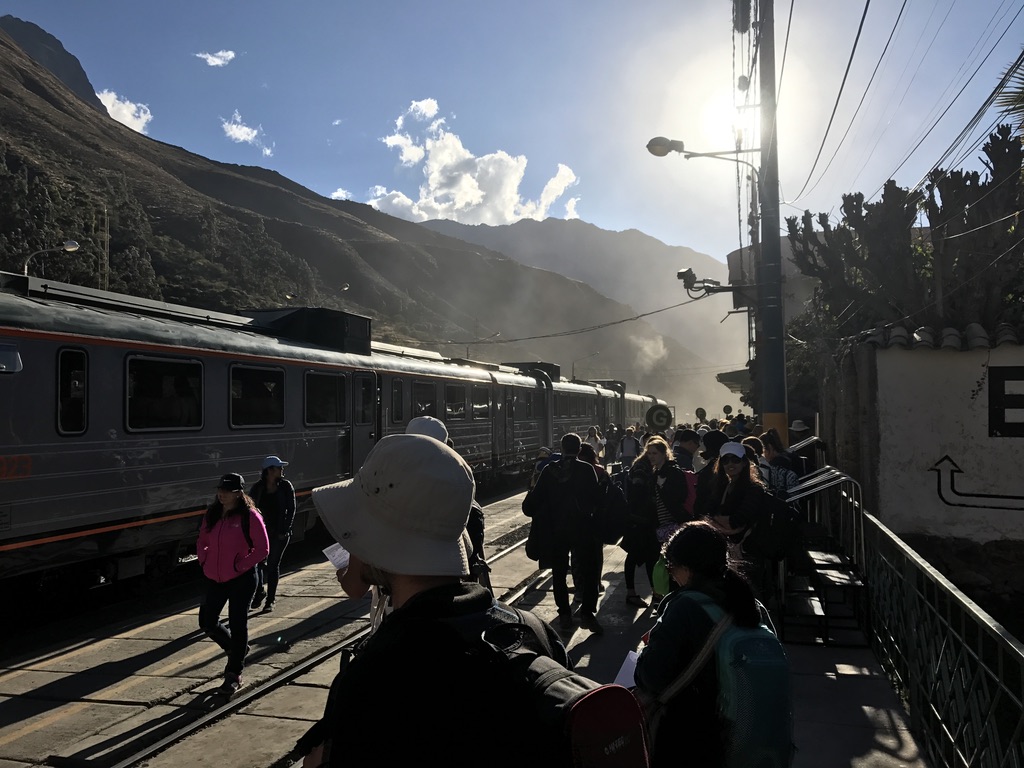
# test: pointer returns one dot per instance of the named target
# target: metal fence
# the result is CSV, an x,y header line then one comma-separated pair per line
x,y
959,673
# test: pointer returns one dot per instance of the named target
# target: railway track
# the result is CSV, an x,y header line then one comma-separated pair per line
x,y
295,671
156,737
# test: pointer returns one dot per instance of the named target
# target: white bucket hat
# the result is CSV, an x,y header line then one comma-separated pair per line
x,y
429,426
406,508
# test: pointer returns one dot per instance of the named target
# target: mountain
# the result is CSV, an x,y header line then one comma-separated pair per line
x,y
630,267
48,51
186,229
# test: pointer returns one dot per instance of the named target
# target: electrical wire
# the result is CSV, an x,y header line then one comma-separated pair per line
x,y
575,331
860,104
835,107
966,131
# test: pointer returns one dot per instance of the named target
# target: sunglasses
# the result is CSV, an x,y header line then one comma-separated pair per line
x,y
730,459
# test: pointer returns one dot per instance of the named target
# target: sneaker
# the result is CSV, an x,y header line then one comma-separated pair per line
x,y
257,599
589,622
231,683
269,606
565,620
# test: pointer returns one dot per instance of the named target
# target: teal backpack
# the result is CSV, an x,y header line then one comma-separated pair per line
x,y
754,689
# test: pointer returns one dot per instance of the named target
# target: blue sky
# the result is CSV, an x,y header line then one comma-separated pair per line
x,y
488,112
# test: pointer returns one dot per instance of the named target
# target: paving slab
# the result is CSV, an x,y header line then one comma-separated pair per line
x,y
266,741
127,736
39,729
96,686
296,702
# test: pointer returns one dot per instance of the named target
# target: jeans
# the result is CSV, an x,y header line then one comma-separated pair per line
x,y
234,638
269,571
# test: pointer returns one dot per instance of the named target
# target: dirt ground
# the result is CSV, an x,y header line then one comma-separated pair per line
x,y
991,574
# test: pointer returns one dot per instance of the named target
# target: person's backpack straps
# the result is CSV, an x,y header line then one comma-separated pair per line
x,y
704,655
246,528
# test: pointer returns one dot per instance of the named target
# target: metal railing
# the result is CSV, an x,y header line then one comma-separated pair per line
x,y
959,673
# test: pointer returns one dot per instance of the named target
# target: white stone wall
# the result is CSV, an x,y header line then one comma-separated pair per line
x,y
940,470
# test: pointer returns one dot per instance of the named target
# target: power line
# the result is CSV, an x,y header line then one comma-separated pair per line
x,y
575,331
971,124
839,97
860,104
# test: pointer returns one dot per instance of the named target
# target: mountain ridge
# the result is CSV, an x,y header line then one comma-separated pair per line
x,y
191,230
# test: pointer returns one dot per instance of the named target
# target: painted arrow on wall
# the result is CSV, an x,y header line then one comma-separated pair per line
x,y
946,470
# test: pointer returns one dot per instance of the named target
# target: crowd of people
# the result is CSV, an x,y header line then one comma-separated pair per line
x,y
413,531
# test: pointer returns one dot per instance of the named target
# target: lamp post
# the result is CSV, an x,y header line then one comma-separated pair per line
x,y
585,357
770,355
70,246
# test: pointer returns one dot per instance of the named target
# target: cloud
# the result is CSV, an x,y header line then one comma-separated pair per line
x,y
459,185
218,59
240,133
570,208
135,116
418,110
340,194
336,122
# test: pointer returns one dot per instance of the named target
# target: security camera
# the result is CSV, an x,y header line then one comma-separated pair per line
x,y
688,277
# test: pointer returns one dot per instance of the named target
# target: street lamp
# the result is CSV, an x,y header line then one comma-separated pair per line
x,y
770,354
70,246
585,357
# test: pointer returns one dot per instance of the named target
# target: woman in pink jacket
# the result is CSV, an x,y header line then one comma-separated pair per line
x,y
232,542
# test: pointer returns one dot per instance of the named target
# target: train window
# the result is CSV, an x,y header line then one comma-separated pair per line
x,y
257,397
10,359
72,369
455,401
164,394
364,399
424,399
397,401
481,402
326,398
562,405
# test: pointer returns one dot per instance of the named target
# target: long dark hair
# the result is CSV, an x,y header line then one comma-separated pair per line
x,y
215,511
772,440
721,480
703,549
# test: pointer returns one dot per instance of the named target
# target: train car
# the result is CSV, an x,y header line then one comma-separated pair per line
x,y
121,413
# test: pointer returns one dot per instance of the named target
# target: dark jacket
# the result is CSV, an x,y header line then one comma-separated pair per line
x,y
691,732
278,508
671,486
742,502
704,506
562,505
417,689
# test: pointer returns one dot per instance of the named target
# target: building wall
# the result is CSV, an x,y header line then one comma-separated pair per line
x,y
950,443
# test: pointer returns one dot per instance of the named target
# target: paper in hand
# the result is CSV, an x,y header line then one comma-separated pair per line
x,y
338,556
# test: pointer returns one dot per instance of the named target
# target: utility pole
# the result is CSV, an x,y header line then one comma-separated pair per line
x,y
771,349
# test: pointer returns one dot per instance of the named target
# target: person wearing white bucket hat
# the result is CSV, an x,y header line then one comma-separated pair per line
x,y
402,518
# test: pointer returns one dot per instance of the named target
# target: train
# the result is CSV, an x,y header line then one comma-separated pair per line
x,y
122,412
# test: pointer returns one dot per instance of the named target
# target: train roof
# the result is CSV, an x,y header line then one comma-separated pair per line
x,y
295,334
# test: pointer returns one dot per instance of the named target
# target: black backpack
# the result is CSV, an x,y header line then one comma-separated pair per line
x,y
775,533
612,514
599,726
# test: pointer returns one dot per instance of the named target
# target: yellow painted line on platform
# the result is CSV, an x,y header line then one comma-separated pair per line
x,y
69,710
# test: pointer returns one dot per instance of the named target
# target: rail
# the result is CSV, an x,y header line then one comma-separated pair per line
x,y
959,672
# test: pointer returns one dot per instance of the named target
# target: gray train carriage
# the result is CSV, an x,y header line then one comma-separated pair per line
x,y
121,413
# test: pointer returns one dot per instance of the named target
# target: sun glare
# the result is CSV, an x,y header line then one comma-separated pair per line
x,y
719,122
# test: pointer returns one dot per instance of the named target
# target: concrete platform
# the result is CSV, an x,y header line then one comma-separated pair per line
x,y
96,697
